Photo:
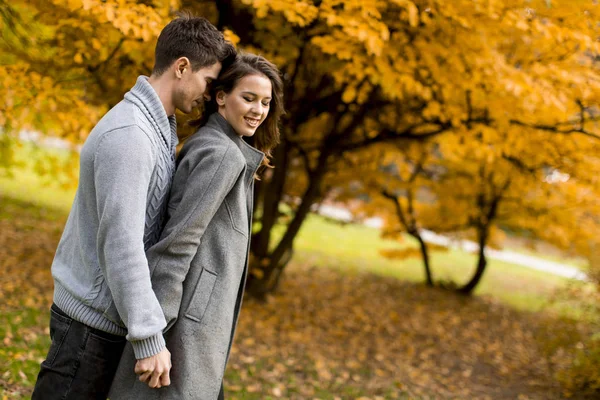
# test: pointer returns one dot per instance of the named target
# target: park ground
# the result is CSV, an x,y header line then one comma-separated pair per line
x,y
344,324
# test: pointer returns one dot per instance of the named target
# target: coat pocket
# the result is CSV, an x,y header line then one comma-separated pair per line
x,y
201,297
238,217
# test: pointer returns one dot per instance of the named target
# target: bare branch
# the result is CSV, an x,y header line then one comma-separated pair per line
x,y
556,128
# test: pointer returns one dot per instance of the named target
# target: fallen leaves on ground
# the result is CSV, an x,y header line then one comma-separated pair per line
x,y
323,335
387,338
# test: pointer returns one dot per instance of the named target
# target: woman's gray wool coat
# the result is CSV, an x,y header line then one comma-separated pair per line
x,y
199,266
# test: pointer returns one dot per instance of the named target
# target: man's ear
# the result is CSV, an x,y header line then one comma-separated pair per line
x,y
182,65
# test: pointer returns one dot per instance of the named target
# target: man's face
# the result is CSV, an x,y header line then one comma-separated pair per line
x,y
191,88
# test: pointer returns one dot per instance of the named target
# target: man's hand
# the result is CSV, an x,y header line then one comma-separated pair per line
x,y
155,370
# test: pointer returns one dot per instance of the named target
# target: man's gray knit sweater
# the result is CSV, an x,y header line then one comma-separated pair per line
x,y
101,275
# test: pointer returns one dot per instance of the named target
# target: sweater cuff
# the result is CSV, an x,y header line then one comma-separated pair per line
x,y
148,347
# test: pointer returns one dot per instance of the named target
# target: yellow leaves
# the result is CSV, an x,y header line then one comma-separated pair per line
x,y
257,266
70,36
78,58
39,95
433,109
420,62
444,334
110,12
130,17
231,37
257,273
336,44
96,44
349,94
401,254
300,13
139,21
16,253
437,248
313,128
412,12
522,25
73,5
358,21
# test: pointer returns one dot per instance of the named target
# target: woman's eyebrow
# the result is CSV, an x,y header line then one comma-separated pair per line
x,y
254,94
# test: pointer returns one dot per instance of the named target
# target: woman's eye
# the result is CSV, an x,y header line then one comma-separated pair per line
x,y
247,99
266,104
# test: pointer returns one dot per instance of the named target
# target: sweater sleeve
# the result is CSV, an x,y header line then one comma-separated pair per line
x,y
123,166
211,169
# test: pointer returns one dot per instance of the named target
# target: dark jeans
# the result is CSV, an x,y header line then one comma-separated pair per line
x,y
81,362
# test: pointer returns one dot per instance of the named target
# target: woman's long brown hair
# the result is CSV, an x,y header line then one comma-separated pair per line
x,y
266,136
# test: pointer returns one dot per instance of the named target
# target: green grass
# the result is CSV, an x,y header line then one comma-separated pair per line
x,y
44,177
28,187
355,248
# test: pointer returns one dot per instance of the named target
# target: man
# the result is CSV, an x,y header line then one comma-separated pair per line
x,y
103,294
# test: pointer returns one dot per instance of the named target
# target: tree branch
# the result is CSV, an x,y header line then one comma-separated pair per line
x,y
94,68
556,128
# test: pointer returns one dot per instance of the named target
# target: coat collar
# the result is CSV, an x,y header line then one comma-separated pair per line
x,y
253,156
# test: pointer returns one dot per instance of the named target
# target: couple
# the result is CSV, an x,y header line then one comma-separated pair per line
x,y
145,271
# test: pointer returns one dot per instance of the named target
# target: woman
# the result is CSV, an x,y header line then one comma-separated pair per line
x,y
199,266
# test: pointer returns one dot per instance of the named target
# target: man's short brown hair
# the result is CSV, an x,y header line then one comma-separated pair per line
x,y
192,37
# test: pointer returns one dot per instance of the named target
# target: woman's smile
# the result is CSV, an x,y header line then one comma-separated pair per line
x,y
253,122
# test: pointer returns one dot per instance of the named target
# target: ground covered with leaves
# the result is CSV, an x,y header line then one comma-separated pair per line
x,y
325,334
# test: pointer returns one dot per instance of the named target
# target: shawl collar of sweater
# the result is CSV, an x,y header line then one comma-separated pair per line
x,y
146,99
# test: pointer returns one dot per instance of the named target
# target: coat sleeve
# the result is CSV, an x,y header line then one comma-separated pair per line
x,y
211,171
123,165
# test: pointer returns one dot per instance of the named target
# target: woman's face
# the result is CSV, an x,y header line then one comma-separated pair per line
x,y
247,106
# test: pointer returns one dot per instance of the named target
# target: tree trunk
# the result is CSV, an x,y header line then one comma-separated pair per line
x,y
483,231
262,281
258,191
272,266
425,254
273,191
236,18
481,263
411,229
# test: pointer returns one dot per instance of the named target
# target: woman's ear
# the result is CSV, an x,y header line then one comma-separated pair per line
x,y
221,97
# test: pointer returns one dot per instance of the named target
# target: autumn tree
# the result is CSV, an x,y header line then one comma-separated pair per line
x,y
358,74
393,183
361,74
532,183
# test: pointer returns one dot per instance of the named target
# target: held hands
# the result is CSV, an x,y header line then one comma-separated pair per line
x,y
154,370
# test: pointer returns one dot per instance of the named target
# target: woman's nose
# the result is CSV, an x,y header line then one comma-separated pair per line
x,y
257,109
